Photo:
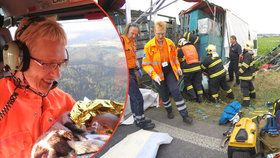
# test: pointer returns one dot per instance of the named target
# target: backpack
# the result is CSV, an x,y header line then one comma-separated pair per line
x,y
229,112
268,126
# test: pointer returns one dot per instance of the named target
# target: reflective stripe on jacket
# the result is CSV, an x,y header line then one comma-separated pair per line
x,y
130,52
192,68
152,61
213,66
246,66
186,68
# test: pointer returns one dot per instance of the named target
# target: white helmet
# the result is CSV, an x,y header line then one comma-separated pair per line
x,y
210,48
249,45
182,42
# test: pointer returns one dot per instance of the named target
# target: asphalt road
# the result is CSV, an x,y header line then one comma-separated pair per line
x,y
200,140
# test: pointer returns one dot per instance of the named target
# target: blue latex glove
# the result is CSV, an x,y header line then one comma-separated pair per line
x,y
140,74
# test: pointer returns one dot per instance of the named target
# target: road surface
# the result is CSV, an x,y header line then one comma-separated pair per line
x,y
200,140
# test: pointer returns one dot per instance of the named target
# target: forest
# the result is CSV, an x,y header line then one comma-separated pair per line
x,y
95,71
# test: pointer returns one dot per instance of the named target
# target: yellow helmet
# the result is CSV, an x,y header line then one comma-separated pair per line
x,y
210,48
249,45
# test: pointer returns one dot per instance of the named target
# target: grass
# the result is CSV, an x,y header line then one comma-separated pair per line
x,y
267,89
266,44
266,84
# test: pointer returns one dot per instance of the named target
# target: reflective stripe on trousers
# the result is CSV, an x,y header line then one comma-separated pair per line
x,y
170,85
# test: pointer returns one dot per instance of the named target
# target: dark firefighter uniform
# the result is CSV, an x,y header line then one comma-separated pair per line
x,y
246,75
235,51
190,65
215,71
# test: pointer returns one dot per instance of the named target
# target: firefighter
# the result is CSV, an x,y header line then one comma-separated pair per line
x,y
190,64
213,67
193,38
136,99
246,73
234,53
162,65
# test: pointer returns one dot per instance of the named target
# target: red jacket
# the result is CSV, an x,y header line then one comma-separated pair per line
x,y
28,118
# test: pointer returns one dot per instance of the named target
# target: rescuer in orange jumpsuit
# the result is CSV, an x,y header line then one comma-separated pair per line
x,y
162,65
135,96
30,102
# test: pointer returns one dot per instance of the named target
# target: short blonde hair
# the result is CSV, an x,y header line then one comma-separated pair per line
x,y
29,32
160,24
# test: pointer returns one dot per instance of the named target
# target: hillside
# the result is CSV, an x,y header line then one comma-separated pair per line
x,y
95,71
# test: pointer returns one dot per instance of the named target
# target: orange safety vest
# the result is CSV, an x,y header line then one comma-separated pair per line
x,y
28,118
152,61
130,52
190,54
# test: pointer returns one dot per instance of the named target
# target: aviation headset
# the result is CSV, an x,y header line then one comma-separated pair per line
x,y
16,54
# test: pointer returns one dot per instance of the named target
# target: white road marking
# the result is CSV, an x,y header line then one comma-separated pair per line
x,y
191,137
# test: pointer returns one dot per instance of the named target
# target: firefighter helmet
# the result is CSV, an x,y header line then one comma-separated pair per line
x,y
210,48
191,37
182,42
248,45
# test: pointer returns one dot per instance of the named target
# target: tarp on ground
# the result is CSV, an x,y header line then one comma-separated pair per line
x,y
141,144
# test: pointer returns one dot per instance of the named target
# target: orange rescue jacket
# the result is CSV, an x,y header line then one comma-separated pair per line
x,y
152,61
130,52
29,117
190,53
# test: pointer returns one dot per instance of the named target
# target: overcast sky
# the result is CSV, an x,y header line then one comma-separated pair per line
x,y
262,16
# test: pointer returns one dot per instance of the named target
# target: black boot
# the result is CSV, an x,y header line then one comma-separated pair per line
x,y
199,98
246,103
253,95
146,120
230,95
188,120
145,125
214,100
170,115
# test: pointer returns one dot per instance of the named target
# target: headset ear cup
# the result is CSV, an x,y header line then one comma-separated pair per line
x,y
12,56
25,55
